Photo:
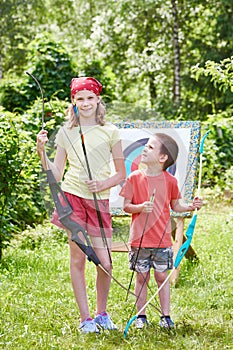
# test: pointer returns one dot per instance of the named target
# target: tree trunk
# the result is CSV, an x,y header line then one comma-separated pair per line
x,y
176,84
152,89
0,66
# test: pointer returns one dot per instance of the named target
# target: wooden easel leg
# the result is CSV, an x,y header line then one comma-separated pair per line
x,y
176,246
190,254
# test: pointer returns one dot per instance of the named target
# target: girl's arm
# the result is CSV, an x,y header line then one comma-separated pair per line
x,y
118,177
58,166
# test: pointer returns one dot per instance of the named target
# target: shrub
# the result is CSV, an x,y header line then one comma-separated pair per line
x,y
20,201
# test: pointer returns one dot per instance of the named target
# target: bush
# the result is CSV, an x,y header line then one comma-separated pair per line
x,y
217,167
20,203
50,64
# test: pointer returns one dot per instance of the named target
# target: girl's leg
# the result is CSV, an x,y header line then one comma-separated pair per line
x,y
142,280
77,273
164,294
103,281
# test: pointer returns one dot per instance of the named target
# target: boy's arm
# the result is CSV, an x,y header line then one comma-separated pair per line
x,y
145,207
179,206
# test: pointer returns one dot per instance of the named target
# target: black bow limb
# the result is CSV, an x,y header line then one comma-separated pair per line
x,y
64,212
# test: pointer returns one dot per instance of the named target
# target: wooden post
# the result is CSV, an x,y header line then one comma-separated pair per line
x,y
179,233
179,239
191,254
119,247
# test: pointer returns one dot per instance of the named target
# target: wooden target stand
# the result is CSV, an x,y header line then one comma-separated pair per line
x,y
187,135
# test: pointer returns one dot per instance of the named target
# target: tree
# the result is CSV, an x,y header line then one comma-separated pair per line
x,y
176,84
206,35
19,21
51,65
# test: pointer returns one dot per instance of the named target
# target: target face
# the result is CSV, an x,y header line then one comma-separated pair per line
x,y
132,155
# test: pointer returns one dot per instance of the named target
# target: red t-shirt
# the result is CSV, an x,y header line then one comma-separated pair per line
x,y
138,188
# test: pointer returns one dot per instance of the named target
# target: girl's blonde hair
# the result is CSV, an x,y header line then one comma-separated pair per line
x,y
73,119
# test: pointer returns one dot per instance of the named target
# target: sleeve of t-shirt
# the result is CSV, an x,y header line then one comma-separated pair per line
x,y
175,190
59,139
115,136
127,190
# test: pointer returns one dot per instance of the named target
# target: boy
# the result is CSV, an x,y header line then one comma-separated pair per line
x,y
149,195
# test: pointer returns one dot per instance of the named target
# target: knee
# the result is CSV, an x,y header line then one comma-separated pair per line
x,y
143,278
107,266
77,262
160,277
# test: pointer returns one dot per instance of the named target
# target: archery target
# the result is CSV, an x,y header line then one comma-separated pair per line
x,y
132,155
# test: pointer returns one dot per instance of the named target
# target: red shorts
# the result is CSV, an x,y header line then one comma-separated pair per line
x,y
84,213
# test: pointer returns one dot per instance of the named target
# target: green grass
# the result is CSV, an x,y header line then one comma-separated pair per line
x,y
38,310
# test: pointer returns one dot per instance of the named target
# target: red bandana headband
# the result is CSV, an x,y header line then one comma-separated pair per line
x,y
85,83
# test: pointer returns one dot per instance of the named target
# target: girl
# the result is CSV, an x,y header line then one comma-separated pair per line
x,y
86,115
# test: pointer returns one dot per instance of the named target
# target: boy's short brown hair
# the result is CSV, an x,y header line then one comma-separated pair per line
x,y
168,147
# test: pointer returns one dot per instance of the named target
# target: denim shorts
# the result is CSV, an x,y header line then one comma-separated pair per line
x,y
160,259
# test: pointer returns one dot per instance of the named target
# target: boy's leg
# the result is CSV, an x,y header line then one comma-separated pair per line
x,y
142,280
164,294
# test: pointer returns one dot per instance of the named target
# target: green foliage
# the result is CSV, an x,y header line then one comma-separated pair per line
x,y
134,39
20,201
50,63
38,310
19,22
218,153
34,238
120,227
221,73
103,74
14,95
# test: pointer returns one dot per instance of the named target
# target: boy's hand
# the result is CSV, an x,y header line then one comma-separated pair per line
x,y
147,207
197,203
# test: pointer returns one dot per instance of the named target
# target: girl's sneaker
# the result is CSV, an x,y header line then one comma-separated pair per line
x,y
166,322
141,322
104,321
88,326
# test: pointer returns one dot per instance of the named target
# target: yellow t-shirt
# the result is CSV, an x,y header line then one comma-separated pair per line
x,y
99,141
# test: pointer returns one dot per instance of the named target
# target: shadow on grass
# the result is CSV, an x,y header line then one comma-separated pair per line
x,y
153,337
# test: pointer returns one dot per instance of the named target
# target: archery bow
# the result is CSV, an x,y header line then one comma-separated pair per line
x,y
183,249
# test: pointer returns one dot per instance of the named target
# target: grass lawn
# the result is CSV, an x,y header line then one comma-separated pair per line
x,y
38,310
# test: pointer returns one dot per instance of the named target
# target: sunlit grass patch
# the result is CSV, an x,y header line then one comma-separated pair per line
x,y
38,310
